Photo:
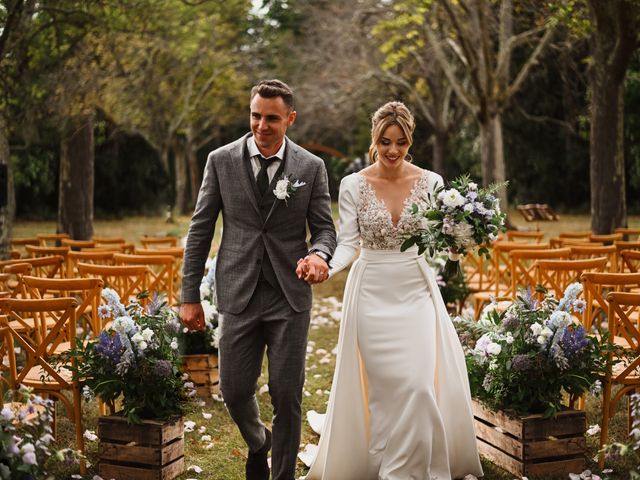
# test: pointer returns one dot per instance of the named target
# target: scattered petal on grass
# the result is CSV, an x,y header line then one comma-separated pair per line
x,y
189,426
202,429
90,435
206,415
205,438
208,446
194,468
593,429
264,389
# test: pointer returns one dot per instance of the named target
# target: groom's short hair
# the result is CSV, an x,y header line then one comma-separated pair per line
x,y
274,88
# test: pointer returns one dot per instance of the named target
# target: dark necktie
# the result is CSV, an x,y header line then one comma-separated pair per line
x,y
263,177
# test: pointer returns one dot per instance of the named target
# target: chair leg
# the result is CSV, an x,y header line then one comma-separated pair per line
x,y
604,432
77,413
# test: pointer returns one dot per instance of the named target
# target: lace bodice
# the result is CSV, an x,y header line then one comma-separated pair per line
x,y
365,220
377,229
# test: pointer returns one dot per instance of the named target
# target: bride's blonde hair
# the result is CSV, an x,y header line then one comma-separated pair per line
x,y
392,113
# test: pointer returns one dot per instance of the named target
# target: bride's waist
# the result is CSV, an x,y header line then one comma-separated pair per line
x,y
375,255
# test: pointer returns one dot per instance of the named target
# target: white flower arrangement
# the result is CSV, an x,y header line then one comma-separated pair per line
x,y
286,187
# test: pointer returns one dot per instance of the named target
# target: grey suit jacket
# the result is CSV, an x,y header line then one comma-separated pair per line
x,y
249,234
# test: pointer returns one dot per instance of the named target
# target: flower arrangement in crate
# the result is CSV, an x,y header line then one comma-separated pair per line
x,y
526,357
203,341
136,357
26,439
455,220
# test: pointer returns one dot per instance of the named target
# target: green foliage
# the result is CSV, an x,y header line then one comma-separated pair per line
x,y
34,174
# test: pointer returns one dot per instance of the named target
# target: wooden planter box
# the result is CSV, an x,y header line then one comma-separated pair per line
x,y
152,450
203,372
532,446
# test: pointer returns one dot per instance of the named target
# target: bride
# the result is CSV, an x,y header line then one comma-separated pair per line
x,y
400,406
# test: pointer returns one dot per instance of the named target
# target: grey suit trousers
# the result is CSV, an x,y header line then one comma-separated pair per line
x,y
268,322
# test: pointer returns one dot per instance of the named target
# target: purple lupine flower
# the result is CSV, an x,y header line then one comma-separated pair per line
x,y
109,346
574,340
529,298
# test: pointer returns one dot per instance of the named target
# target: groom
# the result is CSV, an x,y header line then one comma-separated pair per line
x,y
264,303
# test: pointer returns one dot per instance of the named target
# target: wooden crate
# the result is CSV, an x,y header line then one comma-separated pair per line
x,y
532,446
152,450
203,372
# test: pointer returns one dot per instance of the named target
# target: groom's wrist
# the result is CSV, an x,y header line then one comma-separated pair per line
x,y
320,253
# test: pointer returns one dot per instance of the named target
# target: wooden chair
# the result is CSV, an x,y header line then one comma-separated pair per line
x,y
98,257
127,280
499,272
629,233
579,252
630,261
624,245
35,252
161,271
86,291
607,239
77,244
557,275
50,267
178,254
111,247
51,239
515,235
15,284
14,254
596,286
625,375
20,242
113,242
158,242
108,240
522,264
37,371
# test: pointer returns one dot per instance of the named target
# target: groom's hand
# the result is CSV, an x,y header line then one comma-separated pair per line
x,y
192,316
316,269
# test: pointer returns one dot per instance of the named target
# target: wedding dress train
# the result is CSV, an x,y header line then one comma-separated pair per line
x,y
400,406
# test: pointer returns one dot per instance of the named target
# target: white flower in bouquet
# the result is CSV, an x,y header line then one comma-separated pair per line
x,y
210,311
124,324
205,290
494,348
463,233
451,198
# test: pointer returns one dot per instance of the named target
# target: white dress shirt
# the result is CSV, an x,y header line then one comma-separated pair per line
x,y
253,150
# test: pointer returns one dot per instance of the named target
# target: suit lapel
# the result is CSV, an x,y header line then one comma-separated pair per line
x,y
239,157
290,167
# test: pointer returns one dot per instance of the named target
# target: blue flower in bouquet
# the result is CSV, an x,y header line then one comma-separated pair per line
x,y
110,347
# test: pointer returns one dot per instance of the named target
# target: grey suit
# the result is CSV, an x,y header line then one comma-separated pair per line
x,y
262,300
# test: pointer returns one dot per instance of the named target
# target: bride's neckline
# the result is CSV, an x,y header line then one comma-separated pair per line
x,y
382,203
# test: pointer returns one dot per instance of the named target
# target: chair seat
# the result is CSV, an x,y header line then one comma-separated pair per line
x,y
28,324
33,379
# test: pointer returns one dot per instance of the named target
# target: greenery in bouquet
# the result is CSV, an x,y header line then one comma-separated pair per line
x,y
137,358
452,287
455,220
26,439
204,341
529,356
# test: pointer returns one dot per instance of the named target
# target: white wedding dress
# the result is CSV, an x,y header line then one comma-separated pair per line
x,y
400,405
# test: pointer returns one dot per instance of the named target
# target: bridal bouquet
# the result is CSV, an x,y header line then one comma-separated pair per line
x,y
455,220
525,357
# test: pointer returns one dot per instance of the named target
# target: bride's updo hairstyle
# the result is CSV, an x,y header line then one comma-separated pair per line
x,y
392,113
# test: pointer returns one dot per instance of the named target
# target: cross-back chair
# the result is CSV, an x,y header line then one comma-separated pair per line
x,y
596,287
37,371
522,265
579,252
77,244
178,255
161,271
630,261
50,266
39,251
626,245
629,233
15,284
127,280
626,374
150,241
86,291
51,239
533,236
557,275
99,257
19,243
607,238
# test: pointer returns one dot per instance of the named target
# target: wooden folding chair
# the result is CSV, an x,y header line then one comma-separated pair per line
x,y
575,235
557,275
499,272
108,240
51,266
15,284
51,239
596,286
127,280
629,234
625,375
624,245
158,242
161,273
522,265
516,235
178,255
607,239
37,371
579,252
97,257
20,242
630,261
77,244
86,291
36,252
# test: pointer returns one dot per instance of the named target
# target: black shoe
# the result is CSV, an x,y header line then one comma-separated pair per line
x,y
257,467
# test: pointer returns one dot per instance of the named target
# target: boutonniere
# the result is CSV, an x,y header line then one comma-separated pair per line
x,y
286,187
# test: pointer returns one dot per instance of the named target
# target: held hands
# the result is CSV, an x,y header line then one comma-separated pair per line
x,y
312,269
192,316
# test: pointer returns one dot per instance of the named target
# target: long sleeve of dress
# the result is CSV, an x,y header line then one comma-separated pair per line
x,y
349,232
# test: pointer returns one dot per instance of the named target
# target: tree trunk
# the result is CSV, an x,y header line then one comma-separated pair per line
x,y
180,159
75,194
439,151
614,39
492,155
194,173
7,200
